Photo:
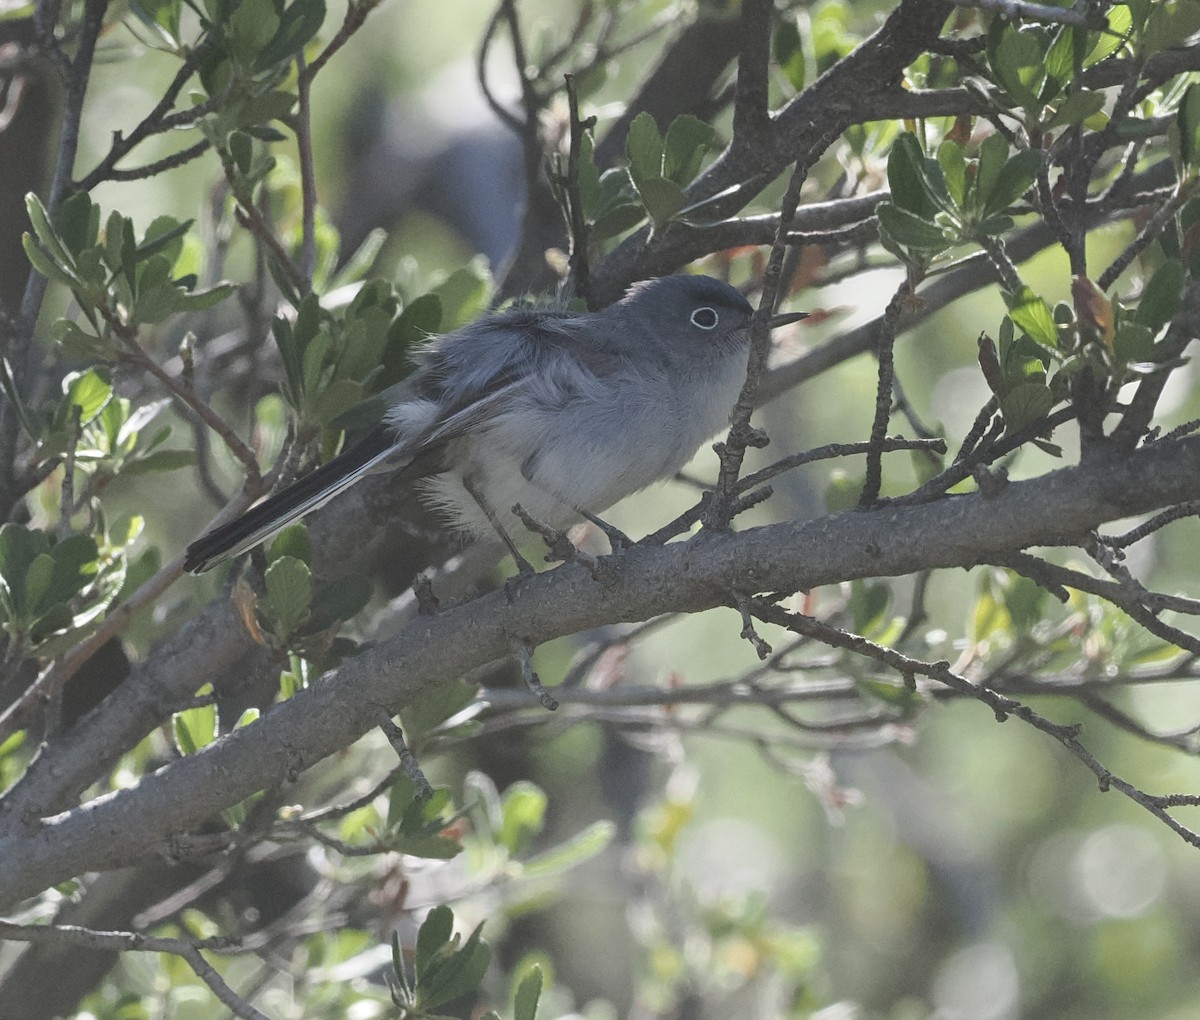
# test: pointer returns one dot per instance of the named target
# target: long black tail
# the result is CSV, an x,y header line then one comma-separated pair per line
x,y
292,503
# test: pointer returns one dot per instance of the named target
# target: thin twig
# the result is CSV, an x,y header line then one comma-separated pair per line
x,y
80,71
308,182
576,219
1145,237
885,345
177,159
356,14
408,760
524,656
192,401
1175,513
1002,706
890,444
156,121
132,941
732,451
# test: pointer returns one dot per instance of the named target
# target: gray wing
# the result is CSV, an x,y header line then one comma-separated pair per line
x,y
475,373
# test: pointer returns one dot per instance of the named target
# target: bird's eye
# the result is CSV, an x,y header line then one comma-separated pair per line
x,y
705,318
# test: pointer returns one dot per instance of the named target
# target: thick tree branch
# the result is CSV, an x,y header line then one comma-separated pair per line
x,y
119,828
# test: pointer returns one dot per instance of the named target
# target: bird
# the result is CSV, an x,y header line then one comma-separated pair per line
x,y
563,413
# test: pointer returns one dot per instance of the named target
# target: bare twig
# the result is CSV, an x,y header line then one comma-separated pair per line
x,y
1002,706
356,14
131,941
883,392
720,508
577,221
308,182
524,656
408,760
1145,237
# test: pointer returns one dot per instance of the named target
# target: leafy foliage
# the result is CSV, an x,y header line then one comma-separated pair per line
x,y
214,353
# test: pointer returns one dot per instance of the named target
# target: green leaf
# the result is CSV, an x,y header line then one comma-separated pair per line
x,y
1134,342
155,303
139,419
53,245
457,974
432,936
201,300
993,226
579,848
869,602
19,546
359,264
196,727
1018,65
161,17
164,236
41,260
316,358
289,592
1160,300
1187,119
895,694
1032,314
1015,178
788,52
57,619
617,220
299,24
253,24
158,461
1120,23
1170,23
17,12
1076,108
37,582
292,541
8,385
275,105
954,170
1025,403
905,170
910,230
993,154
420,319
464,294
614,189
523,813
75,564
842,492
662,198
525,1002
435,705
1062,56
339,600
644,147
78,344
334,400
289,354
78,222
688,139
90,391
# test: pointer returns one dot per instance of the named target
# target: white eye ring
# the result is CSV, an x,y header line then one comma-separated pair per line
x,y
705,318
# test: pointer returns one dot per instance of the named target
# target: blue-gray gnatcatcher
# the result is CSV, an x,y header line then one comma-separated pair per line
x,y
562,412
